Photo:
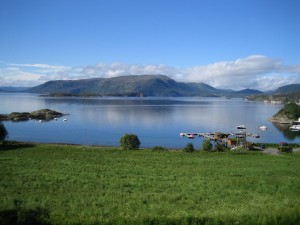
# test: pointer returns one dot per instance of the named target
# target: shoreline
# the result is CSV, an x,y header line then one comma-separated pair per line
x,y
271,148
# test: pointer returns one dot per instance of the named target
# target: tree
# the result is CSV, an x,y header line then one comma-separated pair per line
x,y
206,145
3,132
130,142
189,148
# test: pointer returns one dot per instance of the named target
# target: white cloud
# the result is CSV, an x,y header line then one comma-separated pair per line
x,y
120,69
15,77
41,66
252,72
256,71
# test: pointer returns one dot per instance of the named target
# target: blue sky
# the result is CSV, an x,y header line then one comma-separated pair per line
x,y
225,43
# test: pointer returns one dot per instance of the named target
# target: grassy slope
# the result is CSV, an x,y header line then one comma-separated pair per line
x,y
86,185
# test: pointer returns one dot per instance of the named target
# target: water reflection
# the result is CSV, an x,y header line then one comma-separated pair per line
x,y
157,121
288,134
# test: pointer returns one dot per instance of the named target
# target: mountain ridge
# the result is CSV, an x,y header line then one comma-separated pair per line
x,y
141,85
134,85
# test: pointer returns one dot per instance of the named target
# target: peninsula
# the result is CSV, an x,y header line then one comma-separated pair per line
x,y
287,114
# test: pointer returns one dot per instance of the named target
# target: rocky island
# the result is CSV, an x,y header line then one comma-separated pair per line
x,y
42,114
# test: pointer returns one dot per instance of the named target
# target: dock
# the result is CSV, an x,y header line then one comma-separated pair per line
x,y
229,139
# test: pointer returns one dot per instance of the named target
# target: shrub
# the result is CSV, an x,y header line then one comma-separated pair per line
x,y
158,148
206,145
285,147
189,148
220,148
130,142
3,132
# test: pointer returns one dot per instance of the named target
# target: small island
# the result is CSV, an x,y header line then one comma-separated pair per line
x,y
42,114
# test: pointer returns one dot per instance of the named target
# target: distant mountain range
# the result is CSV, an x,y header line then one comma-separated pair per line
x,y
288,89
12,89
139,85
288,93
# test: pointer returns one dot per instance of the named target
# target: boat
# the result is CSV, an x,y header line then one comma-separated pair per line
x,y
295,125
191,136
263,128
241,127
188,135
255,135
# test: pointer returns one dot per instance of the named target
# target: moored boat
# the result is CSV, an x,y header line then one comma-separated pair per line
x,y
295,125
241,127
263,128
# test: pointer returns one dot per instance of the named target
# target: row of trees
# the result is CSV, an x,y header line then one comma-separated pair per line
x,y
206,146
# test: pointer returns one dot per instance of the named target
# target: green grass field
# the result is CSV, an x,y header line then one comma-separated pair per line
x,y
63,184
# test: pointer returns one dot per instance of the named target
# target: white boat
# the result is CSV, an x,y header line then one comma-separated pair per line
x,y
241,127
263,128
191,136
295,125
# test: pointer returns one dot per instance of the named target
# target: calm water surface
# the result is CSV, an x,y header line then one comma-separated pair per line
x,y
156,121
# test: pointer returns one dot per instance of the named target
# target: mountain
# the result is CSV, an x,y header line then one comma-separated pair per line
x,y
240,94
284,94
67,86
13,89
292,88
249,92
135,85
206,90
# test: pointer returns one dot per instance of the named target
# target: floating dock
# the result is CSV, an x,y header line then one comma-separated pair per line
x,y
229,139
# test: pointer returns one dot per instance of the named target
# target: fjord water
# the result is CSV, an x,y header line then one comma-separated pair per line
x,y
156,121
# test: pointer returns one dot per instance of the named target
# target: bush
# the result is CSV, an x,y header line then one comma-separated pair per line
x,y
285,147
189,148
158,148
206,145
220,148
130,142
3,132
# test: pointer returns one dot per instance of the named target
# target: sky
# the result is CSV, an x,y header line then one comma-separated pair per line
x,y
234,44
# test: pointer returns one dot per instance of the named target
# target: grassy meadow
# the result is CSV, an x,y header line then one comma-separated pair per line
x,y
61,184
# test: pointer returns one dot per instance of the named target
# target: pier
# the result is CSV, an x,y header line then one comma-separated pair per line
x,y
232,139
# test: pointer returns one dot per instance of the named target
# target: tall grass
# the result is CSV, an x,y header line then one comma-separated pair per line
x,y
92,185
